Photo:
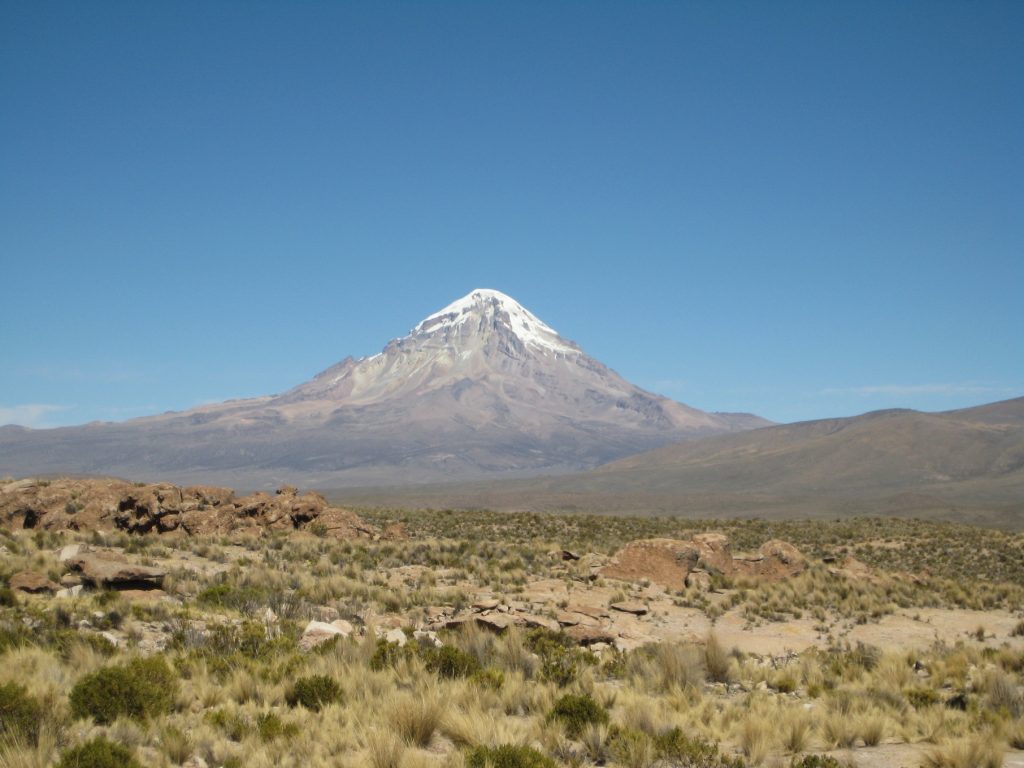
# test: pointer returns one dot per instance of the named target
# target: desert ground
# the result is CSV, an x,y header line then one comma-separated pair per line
x,y
162,626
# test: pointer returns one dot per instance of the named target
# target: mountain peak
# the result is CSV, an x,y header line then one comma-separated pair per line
x,y
485,308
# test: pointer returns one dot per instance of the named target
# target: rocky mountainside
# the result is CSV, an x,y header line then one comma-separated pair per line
x,y
482,388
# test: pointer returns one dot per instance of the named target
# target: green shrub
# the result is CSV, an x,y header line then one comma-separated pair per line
x,y
490,678
388,654
677,749
7,598
920,698
270,727
233,597
449,661
576,711
815,761
314,692
560,659
139,689
508,756
98,753
19,714
234,725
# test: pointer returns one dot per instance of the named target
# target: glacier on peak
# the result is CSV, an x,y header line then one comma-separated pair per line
x,y
486,303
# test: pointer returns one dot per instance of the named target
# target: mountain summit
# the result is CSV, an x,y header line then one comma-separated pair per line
x,y
480,388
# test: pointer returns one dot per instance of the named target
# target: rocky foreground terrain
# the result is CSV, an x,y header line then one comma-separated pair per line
x,y
188,626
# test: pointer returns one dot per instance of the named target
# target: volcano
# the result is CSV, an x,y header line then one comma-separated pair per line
x,y
479,389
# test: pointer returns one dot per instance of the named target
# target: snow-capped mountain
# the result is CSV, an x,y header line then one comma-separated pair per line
x,y
480,388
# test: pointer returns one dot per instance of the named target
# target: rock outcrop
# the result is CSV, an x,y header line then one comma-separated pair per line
x,y
116,572
141,508
678,563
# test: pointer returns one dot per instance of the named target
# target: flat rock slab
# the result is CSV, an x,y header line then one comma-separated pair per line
x,y
630,606
532,620
113,573
32,582
590,635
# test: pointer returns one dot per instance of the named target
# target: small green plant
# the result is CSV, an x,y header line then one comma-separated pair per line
x,y
19,714
576,711
314,692
140,689
508,756
98,753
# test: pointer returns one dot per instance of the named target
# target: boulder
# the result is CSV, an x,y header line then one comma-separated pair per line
x,y
319,632
427,638
396,636
32,582
70,551
699,580
775,560
662,561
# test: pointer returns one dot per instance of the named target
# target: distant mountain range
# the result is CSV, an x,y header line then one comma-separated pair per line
x,y
963,465
480,389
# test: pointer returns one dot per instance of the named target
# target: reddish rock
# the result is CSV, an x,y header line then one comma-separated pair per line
x,y
662,561
32,582
670,562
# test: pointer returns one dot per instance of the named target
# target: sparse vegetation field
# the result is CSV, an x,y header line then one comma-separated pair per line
x,y
490,639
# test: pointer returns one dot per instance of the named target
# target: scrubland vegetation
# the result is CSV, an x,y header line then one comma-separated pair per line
x,y
211,672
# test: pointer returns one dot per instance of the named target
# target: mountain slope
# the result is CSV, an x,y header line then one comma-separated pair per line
x,y
961,465
480,388
878,452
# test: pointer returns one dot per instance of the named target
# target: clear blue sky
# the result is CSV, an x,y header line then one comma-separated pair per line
x,y
796,209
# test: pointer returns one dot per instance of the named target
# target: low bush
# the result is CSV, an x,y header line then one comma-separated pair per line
x,y
449,661
815,761
388,654
314,692
677,749
508,756
140,689
576,711
19,714
920,698
98,753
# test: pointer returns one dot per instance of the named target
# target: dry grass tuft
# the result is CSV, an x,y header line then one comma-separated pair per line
x,y
416,716
971,752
